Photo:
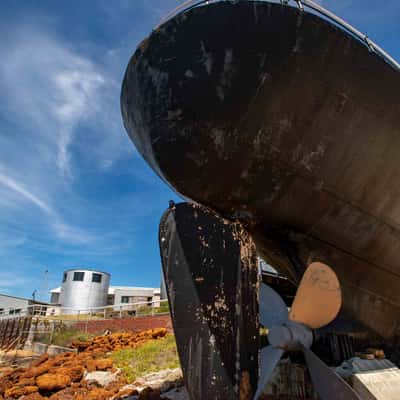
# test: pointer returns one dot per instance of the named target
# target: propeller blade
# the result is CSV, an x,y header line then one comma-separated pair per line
x,y
273,310
318,298
269,358
328,384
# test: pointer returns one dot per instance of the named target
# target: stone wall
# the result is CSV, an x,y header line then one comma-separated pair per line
x,y
133,324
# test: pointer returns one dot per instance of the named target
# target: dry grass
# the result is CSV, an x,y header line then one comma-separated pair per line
x,y
62,336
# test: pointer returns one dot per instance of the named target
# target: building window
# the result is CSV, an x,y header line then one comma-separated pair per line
x,y
149,301
125,299
96,278
65,277
78,276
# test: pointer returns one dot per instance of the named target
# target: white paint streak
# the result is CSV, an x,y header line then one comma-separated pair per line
x,y
207,57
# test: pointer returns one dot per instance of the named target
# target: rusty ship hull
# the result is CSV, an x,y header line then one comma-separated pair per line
x,y
279,119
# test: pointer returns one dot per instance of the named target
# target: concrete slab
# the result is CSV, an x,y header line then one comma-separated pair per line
x,y
376,379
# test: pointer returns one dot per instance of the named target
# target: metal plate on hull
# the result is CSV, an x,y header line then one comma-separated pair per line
x,y
280,119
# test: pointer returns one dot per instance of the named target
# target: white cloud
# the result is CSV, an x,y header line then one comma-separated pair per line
x,y
64,110
72,234
72,189
15,190
55,89
16,187
77,87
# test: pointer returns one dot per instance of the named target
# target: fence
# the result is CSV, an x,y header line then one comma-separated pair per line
x,y
35,322
14,332
144,308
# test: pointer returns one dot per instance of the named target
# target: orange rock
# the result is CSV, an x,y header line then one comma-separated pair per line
x,y
5,384
75,373
36,371
70,394
90,365
104,364
116,386
117,341
34,396
44,357
63,357
83,384
50,382
99,365
126,393
18,391
122,381
27,382
79,345
98,394
161,332
16,374
79,396
73,364
6,371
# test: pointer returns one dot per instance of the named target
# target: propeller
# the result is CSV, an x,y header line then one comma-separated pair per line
x,y
317,303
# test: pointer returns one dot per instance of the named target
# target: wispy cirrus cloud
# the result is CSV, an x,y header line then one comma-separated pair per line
x,y
77,87
65,197
53,93
17,193
14,186
54,89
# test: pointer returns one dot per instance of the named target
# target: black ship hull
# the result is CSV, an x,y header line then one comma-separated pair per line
x,y
283,121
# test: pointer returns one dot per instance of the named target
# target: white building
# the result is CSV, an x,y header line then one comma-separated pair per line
x,y
128,294
120,295
14,305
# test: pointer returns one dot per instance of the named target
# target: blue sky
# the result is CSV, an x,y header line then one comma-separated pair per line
x,y
73,190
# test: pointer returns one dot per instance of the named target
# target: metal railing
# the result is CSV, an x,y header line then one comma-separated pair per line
x,y
301,4
143,308
18,312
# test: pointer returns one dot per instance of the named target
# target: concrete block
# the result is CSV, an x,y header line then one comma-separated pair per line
x,y
39,348
54,350
376,379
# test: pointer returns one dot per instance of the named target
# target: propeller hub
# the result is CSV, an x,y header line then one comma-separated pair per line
x,y
290,336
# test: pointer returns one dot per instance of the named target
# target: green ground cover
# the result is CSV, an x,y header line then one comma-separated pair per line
x,y
152,356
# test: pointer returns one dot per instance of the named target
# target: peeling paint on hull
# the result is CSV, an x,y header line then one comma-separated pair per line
x,y
288,124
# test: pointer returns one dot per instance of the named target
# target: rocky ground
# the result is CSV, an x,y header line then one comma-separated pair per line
x,y
90,374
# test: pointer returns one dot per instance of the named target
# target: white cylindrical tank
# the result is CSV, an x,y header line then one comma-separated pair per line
x,y
83,289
